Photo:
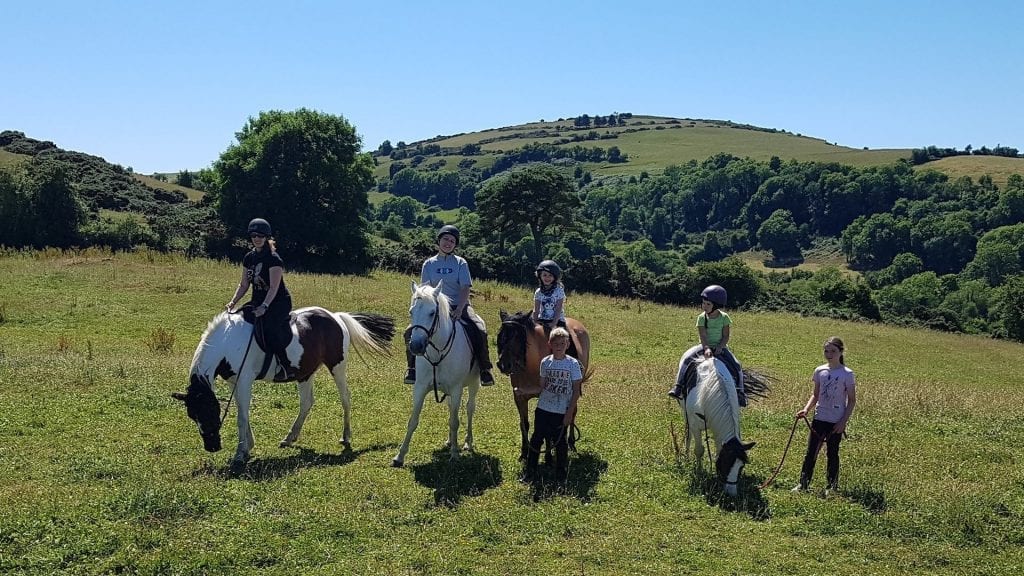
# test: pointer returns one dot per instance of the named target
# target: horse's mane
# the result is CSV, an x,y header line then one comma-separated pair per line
x,y
217,325
524,319
717,399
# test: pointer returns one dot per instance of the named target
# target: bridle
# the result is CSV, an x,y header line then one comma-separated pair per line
x,y
519,328
442,352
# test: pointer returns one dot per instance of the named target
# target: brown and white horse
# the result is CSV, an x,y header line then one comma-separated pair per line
x,y
522,344
319,338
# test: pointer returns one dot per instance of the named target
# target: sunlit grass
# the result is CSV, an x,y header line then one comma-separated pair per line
x,y
101,472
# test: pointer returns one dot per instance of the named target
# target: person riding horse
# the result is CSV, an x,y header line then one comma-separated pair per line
x,y
452,272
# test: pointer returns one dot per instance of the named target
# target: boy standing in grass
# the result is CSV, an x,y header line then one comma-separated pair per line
x,y
561,378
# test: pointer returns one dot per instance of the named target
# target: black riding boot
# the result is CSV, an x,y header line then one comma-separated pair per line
x,y
285,371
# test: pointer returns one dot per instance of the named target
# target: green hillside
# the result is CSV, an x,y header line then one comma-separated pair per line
x,y
102,473
998,167
652,143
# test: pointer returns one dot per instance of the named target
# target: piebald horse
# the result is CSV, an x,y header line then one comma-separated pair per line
x,y
444,365
713,407
319,338
522,344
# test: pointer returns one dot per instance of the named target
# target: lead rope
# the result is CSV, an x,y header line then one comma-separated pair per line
x,y
227,406
810,428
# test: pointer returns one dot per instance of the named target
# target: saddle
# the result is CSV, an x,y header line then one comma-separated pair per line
x,y
266,334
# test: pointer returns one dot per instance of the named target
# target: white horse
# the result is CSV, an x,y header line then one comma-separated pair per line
x,y
228,349
444,365
712,406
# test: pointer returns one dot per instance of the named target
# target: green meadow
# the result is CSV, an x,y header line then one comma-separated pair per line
x,y
101,472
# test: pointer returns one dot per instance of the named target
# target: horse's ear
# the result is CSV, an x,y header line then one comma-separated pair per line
x,y
748,446
503,314
437,289
414,286
179,396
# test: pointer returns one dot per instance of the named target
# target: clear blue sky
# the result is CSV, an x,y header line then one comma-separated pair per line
x,y
164,86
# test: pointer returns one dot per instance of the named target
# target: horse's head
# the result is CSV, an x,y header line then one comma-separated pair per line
x,y
429,314
202,407
730,462
512,337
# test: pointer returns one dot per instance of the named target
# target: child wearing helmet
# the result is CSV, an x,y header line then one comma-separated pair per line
x,y
453,270
549,299
713,329
263,269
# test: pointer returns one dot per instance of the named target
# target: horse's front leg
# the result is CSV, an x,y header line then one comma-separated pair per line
x,y
341,381
305,389
419,393
246,442
523,406
474,387
454,405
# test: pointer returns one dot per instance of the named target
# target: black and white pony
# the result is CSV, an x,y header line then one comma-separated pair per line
x,y
444,365
712,407
228,349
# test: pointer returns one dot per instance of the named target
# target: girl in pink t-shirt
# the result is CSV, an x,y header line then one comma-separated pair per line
x,y
833,400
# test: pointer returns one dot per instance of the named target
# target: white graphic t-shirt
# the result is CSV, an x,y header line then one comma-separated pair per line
x,y
548,301
556,378
833,391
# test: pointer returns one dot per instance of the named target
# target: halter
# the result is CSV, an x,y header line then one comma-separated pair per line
x,y
442,351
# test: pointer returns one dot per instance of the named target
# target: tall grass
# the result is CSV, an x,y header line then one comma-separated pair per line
x,y
101,472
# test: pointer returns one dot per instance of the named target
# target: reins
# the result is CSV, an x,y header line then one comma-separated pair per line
x,y
442,351
252,336
792,431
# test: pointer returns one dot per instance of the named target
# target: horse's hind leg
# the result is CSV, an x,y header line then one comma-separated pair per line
x,y
305,389
341,380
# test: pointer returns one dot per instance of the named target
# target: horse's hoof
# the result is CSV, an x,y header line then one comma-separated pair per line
x,y
284,443
396,463
346,444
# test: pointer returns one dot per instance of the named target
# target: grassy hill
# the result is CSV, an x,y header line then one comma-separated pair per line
x,y
101,472
654,142
998,167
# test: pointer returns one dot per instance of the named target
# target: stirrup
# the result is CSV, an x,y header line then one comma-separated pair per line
x,y
486,378
410,376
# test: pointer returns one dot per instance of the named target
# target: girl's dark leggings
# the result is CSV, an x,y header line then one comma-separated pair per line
x,y
821,431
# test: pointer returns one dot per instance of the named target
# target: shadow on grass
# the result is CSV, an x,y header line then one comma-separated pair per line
x,y
748,499
585,470
471,474
263,469
871,499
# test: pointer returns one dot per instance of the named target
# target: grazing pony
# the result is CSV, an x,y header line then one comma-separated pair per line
x,y
319,337
444,365
522,344
712,407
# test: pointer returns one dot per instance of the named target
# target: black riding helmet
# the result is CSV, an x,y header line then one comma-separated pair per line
x,y
448,229
551,267
716,294
260,226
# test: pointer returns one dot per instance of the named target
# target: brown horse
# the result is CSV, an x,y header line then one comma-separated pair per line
x,y
522,344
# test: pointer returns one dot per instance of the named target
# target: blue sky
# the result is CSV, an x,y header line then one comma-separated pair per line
x,y
164,86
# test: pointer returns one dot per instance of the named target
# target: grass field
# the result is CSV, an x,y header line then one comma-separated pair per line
x,y
101,472
192,194
999,168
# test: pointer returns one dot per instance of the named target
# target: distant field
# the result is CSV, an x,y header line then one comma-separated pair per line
x,y
814,259
9,159
998,167
652,143
193,195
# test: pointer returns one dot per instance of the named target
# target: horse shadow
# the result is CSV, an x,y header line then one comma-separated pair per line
x,y
585,470
748,500
470,474
266,469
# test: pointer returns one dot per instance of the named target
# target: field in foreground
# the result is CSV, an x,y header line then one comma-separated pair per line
x,y
101,472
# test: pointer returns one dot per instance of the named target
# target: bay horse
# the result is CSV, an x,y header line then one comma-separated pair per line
x,y
522,344
319,338
712,406
444,365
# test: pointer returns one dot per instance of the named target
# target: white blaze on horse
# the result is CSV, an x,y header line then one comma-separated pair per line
x,y
522,344
444,365
712,407
319,338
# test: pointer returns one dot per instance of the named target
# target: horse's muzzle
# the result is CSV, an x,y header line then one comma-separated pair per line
x,y
211,443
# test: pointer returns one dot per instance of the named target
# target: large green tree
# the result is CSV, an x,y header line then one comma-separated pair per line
x,y
304,172
538,197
